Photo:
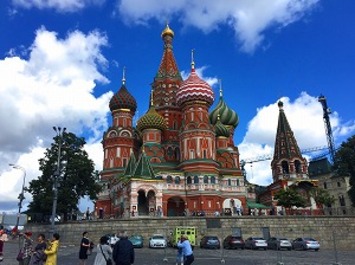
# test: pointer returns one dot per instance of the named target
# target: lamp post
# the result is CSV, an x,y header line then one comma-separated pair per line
x,y
59,131
21,195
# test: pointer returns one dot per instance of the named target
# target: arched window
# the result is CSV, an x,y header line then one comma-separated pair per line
x,y
169,179
298,166
205,179
285,167
189,180
177,153
177,180
213,180
229,182
196,180
238,182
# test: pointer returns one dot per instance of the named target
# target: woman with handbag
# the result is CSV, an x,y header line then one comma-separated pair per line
x,y
104,251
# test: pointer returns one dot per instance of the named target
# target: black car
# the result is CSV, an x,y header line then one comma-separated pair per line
x,y
210,242
233,241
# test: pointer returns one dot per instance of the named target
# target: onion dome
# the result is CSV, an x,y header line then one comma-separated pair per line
x,y
151,120
194,89
123,99
167,32
227,116
221,130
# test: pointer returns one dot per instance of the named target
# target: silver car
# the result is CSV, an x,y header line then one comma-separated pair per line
x,y
157,241
305,243
279,243
255,243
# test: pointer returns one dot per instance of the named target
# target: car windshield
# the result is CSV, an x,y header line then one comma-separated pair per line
x,y
257,238
283,239
212,238
158,237
135,237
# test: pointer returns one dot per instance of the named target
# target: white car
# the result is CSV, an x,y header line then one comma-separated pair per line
x,y
256,243
112,239
157,241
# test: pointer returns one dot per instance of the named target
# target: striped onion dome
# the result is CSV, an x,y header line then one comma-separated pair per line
x,y
227,115
194,89
221,130
151,120
123,100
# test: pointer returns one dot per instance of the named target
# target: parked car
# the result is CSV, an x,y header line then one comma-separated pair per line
x,y
305,243
112,239
279,243
233,241
255,243
137,241
157,241
210,242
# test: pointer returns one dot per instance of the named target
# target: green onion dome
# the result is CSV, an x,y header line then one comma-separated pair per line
x,y
227,115
151,120
221,130
123,100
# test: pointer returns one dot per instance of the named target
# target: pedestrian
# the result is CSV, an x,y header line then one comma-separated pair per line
x,y
123,251
84,248
187,252
104,252
179,257
38,256
52,250
3,239
26,249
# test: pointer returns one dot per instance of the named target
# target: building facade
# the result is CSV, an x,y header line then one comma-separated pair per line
x,y
180,158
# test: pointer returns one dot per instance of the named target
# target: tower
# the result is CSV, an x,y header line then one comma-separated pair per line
x,y
165,86
287,162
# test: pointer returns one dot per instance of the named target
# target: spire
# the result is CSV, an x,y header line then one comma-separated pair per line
x,y
151,98
124,75
286,146
192,60
220,88
143,168
168,67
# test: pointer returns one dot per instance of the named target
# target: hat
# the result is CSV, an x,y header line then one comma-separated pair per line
x,y
28,233
184,236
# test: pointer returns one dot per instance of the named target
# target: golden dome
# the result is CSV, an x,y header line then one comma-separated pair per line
x,y
167,31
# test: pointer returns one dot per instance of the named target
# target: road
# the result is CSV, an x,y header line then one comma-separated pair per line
x,y
68,255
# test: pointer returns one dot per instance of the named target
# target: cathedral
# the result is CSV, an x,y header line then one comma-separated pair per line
x,y
180,157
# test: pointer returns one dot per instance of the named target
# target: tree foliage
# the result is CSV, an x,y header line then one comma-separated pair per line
x,y
289,197
322,196
76,177
344,164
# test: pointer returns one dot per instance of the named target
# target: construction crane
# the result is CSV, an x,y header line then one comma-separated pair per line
x,y
328,127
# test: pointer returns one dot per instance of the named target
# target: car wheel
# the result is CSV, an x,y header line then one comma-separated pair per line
x,y
265,248
289,249
316,249
303,248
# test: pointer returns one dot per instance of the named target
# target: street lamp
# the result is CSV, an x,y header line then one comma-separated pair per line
x,y
21,196
59,131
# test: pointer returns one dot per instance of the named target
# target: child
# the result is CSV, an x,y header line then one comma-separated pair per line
x,y
179,257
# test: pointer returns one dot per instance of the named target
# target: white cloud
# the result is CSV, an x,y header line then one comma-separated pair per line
x,y
249,19
53,87
59,5
305,116
200,72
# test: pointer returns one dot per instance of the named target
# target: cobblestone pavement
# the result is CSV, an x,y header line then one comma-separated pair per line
x,y
68,255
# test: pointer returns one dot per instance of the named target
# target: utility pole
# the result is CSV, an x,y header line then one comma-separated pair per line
x,y
328,127
21,196
56,175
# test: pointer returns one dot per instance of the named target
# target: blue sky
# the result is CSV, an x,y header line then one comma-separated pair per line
x,y
61,61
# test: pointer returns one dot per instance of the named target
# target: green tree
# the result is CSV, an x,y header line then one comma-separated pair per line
x,y
77,177
289,197
322,196
344,164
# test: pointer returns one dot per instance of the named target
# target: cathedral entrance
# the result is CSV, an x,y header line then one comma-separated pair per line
x,y
176,206
146,203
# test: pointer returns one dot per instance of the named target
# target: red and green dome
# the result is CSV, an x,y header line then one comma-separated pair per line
x,y
226,115
221,130
123,100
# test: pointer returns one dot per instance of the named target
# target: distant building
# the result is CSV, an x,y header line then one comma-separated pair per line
x,y
289,167
179,158
337,186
